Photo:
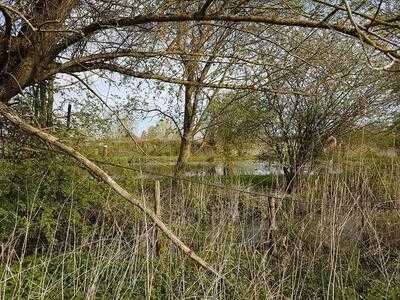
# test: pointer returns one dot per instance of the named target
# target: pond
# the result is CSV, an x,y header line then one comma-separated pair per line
x,y
234,168
202,168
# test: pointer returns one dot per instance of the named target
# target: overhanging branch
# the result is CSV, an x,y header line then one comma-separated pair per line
x,y
204,8
268,20
69,69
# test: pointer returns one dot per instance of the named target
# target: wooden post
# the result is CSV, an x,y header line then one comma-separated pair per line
x,y
157,211
104,150
69,116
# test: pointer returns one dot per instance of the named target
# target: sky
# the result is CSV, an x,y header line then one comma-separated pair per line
x,y
115,93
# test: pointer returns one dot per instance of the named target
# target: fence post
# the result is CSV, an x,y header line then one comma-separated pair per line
x,y
69,116
157,211
104,150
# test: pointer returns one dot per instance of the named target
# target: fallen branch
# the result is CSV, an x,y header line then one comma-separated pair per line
x,y
11,116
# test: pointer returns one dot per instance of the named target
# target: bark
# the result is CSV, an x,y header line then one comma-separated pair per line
x,y
104,177
43,103
187,135
50,104
184,154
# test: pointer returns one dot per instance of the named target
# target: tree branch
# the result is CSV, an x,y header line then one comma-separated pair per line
x,y
374,21
363,37
104,177
144,19
153,76
112,111
21,15
142,110
204,8
5,55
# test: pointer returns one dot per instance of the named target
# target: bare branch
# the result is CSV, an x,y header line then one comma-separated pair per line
x,y
21,15
154,76
144,19
373,21
292,22
204,8
163,114
364,37
112,111
104,177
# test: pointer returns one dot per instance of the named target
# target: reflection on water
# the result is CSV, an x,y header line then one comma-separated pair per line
x,y
245,167
236,168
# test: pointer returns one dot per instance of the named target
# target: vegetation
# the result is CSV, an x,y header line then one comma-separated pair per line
x,y
339,239
199,149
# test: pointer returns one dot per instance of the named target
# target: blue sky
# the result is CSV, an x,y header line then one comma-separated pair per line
x,y
115,91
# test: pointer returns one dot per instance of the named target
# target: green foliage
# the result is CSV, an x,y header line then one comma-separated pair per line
x,y
92,245
45,201
232,134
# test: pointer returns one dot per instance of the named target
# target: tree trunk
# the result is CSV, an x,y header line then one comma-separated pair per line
x,y
184,153
187,135
43,103
49,103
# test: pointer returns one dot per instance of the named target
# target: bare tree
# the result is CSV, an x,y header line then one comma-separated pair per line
x,y
296,127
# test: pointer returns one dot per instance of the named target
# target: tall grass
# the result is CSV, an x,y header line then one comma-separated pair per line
x,y
339,238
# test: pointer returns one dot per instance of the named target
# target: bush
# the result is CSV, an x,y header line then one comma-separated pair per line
x,y
45,201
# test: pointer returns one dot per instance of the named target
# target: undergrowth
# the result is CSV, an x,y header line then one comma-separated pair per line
x,y
64,236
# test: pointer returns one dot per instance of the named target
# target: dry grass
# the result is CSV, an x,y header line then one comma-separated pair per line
x,y
340,240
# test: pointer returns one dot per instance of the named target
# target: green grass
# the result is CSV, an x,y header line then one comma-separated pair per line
x,y
338,240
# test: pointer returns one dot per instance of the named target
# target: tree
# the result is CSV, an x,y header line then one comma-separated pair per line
x,y
198,50
43,102
226,128
164,129
337,99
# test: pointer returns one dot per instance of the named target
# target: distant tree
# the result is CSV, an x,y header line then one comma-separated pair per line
x,y
164,129
226,128
201,52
